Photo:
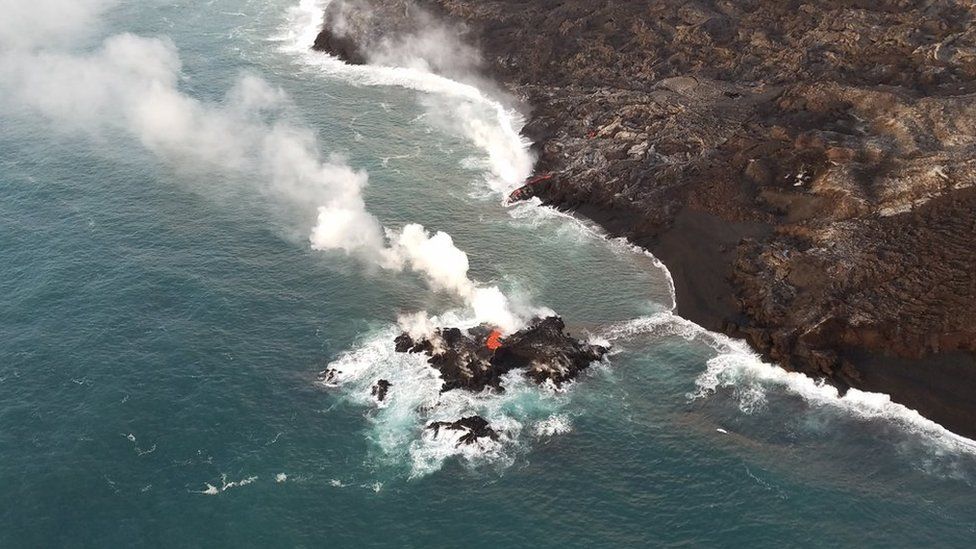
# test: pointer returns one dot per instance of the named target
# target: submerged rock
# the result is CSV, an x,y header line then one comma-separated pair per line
x,y
380,389
329,376
477,427
542,350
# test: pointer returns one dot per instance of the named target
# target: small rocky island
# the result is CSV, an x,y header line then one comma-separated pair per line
x,y
477,359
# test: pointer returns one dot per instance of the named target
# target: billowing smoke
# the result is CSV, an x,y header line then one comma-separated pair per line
x,y
131,85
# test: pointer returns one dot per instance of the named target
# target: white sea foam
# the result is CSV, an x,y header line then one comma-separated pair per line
x,y
750,380
533,213
668,324
483,119
235,484
414,400
556,424
212,490
738,369
398,427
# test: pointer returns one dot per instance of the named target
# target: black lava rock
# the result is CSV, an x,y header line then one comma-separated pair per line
x,y
380,389
477,427
542,350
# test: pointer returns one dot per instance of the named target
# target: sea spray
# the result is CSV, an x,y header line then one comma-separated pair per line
x,y
491,127
750,380
131,85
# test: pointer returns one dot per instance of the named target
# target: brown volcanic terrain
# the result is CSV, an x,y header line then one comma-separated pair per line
x,y
805,169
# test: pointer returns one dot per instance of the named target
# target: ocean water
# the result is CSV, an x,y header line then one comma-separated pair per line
x,y
163,321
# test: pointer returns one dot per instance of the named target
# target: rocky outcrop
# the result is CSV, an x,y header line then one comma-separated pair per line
x,y
805,169
543,351
475,428
380,389
353,29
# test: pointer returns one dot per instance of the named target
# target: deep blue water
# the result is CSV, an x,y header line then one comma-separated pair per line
x,y
161,330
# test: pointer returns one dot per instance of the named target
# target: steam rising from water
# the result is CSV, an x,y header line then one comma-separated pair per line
x,y
434,256
26,25
409,61
131,85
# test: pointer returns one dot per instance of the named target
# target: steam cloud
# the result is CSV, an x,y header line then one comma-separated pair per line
x,y
131,84
25,25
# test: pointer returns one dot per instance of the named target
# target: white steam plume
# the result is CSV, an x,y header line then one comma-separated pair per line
x,y
25,24
131,85
434,256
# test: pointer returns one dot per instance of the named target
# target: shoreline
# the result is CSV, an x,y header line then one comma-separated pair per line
x,y
941,383
758,192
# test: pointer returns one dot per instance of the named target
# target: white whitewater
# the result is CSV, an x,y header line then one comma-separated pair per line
x,y
738,366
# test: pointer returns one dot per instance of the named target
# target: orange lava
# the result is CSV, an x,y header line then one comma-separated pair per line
x,y
494,340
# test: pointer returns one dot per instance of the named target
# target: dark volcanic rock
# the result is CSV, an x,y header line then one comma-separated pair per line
x,y
396,32
477,427
837,139
354,28
380,389
329,376
543,351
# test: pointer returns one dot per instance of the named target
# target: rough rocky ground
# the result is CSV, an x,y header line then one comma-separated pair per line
x,y
543,351
805,169
473,427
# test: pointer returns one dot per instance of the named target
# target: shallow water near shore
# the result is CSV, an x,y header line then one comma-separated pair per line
x,y
162,334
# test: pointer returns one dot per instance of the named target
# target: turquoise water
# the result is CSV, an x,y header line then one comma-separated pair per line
x,y
162,330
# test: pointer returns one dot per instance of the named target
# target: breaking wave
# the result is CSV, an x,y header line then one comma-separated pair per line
x,y
750,382
398,424
534,214
485,121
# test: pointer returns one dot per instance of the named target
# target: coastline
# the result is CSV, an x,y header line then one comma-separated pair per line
x,y
736,241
